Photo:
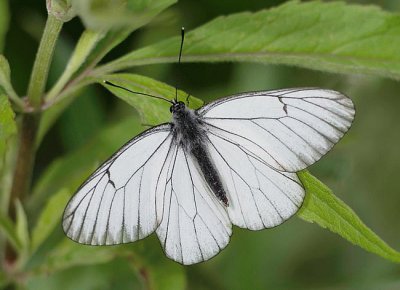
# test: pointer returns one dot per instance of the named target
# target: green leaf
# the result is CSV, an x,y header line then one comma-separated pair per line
x,y
70,254
4,22
7,162
7,124
8,229
21,227
49,217
106,14
5,81
330,36
153,111
84,47
4,71
111,40
321,206
61,9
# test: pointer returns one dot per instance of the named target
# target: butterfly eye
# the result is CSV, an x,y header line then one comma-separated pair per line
x,y
171,108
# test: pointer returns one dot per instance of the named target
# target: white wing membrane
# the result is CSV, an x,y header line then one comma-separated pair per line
x,y
195,225
118,202
259,195
288,129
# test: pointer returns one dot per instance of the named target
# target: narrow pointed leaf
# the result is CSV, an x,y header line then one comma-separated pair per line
x,y
49,217
5,81
84,47
7,124
22,226
7,228
70,254
328,211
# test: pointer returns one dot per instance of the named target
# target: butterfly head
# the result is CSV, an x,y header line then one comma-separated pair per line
x,y
177,107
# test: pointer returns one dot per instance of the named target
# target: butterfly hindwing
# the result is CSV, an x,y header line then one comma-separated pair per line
x,y
195,225
259,195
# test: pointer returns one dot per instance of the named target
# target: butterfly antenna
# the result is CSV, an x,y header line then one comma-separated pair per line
x,y
138,93
179,58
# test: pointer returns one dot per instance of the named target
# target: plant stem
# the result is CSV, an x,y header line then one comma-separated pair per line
x,y
44,56
25,160
23,170
30,122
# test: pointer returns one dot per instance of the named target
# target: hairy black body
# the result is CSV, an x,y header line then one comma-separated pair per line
x,y
189,133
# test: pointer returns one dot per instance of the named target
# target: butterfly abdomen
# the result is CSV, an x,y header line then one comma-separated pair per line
x,y
191,136
210,174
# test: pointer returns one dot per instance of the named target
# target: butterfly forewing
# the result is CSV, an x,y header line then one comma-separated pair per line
x,y
118,202
289,129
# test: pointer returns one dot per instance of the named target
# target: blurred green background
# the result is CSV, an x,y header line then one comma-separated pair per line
x,y
362,170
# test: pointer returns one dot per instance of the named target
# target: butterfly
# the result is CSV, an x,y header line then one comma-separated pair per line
x,y
231,162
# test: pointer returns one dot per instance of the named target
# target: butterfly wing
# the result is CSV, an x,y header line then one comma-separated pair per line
x,y
118,203
195,225
289,129
259,195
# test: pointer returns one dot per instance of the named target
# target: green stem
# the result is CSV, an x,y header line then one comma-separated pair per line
x,y
25,160
30,122
42,63
23,171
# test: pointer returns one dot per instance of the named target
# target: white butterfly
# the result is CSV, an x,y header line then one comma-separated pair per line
x,y
233,161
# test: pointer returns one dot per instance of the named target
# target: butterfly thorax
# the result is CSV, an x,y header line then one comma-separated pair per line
x,y
190,133
188,130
